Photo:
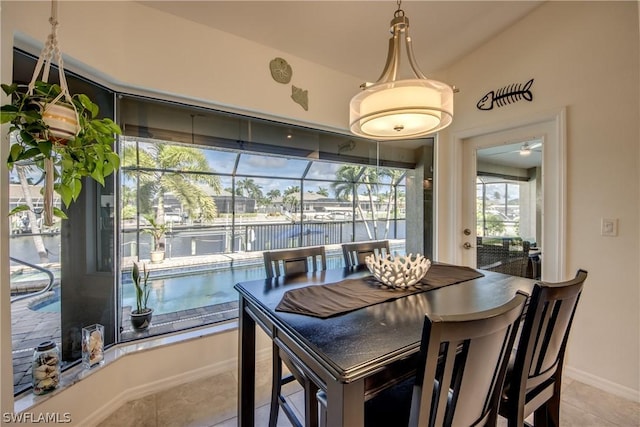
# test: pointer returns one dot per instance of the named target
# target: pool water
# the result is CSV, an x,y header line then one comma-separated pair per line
x,y
49,305
177,293
173,293
52,307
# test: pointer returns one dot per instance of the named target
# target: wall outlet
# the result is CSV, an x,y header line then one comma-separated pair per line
x,y
609,227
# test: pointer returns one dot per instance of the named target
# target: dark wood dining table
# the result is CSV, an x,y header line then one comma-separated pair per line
x,y
351,355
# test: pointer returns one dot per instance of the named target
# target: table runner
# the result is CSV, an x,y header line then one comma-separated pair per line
x,y
352,294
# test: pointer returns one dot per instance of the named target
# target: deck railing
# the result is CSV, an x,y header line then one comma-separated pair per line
x,y
183,240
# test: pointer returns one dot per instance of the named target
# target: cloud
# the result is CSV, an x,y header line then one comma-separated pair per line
x,y
266,162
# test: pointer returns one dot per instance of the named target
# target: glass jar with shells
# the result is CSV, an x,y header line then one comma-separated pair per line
x,y
92,345
45,367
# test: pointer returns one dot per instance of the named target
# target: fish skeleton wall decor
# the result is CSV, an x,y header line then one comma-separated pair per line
x,y
506,95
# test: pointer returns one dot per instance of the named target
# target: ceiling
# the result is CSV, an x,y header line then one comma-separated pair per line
x,y
351,36
510,155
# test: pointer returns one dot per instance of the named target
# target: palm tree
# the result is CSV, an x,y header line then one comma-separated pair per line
x,y
249,188
274,194
348,181
182,171
270,197
322,192
128,197
291,197
21,170
370,182
395,175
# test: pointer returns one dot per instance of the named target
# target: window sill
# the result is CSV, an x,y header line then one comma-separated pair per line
x,y
27,400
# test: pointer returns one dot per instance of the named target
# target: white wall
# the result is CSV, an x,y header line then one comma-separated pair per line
x,y
143,48
138,374
134,48
582,55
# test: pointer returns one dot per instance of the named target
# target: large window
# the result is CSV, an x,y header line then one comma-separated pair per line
x,y
199,196
62,277
220,208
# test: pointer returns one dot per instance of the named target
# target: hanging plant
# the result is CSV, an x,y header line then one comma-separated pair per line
x,y
87,153
58,133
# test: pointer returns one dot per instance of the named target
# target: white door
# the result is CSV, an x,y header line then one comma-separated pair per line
x,y
550,130
507,186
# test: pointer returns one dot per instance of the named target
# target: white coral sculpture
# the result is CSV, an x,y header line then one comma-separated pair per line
x,y
399,271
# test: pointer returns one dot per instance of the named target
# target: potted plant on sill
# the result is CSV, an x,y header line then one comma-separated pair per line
x,y
157,232
141,316
62,137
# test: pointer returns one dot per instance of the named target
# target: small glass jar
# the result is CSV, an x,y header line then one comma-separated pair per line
x,y
45,368
92,345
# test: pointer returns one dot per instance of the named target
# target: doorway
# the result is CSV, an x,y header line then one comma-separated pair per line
x,y
545,225
508,208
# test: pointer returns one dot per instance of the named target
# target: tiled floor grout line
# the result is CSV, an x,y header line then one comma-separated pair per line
x,y
596,419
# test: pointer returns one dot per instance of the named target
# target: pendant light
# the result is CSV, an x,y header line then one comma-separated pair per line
x,y
391,109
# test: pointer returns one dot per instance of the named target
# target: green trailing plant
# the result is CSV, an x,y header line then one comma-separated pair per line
x,y
143,289
88,154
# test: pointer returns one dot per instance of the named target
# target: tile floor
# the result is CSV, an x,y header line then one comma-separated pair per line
x,y
211,402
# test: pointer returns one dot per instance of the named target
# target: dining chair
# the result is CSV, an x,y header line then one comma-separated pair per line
x,y
534,377
286,262
509,256
355,253
291,261
461,368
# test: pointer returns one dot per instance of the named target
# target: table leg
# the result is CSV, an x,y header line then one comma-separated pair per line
x,y
246,366
345,404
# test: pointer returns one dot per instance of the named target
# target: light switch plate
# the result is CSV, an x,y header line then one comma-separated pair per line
x,y
609,227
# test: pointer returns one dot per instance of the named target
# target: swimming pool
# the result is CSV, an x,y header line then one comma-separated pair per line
x,y
48,303
173,293
176,293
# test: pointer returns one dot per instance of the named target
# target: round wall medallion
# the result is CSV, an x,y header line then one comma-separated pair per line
x,y
280,70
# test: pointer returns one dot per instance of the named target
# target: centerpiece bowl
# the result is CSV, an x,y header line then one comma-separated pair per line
x,y
398,271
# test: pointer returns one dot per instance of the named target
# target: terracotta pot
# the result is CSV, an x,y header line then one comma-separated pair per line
x,y
141,321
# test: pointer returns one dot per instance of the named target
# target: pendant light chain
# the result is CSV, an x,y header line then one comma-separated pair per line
x,y
399,11
392,108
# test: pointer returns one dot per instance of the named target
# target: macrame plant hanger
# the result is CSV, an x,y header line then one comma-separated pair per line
x,y
50,50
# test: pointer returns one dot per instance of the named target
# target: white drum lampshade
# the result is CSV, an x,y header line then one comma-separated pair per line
x,y
401,109
405,108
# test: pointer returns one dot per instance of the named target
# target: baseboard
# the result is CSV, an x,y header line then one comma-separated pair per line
x,y
602,384
134,370
139,392
135,393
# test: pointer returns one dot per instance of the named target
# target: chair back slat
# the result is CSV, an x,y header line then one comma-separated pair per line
x,y
465,359
355,253
292,261
540,351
